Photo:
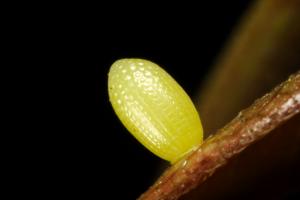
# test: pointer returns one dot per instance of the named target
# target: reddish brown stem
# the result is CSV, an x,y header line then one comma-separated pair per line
x,y
249,126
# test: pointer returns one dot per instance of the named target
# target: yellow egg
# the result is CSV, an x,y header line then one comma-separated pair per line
x,y
154,108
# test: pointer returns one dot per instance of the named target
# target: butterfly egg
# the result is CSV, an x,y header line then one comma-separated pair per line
x,y
154,108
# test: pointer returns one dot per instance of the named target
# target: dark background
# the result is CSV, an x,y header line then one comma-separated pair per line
x,y
87,151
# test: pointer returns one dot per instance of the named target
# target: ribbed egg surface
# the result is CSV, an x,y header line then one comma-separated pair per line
x,y
154,108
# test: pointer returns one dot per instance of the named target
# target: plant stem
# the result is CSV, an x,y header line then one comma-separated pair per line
x,y
250,125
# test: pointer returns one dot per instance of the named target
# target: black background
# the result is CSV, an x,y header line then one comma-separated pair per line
x,y
81,147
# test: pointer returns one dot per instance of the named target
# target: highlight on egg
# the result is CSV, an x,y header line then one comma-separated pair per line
x,y
154,108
